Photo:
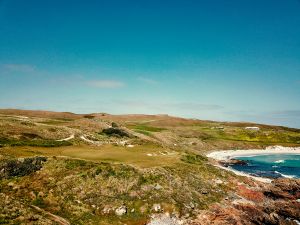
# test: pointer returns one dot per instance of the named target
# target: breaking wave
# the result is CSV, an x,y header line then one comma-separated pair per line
x,y
284,175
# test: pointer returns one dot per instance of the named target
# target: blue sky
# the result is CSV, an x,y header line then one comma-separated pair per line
x,y
232,60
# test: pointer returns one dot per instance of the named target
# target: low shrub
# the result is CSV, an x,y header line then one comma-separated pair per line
x,y
19,168
72,164
116,132
193,159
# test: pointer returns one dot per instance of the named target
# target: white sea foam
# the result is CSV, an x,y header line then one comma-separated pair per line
x,y
279,161
284,175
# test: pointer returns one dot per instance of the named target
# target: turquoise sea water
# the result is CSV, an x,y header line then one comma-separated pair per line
x,y
272,166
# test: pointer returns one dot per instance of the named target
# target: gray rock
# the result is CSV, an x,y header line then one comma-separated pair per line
x,y
10,184
164,220
156,207
204,192
106,210
218,181
157,187
122,210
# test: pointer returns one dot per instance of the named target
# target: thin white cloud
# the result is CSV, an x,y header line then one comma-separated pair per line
x,y
147,80
23,68
109,84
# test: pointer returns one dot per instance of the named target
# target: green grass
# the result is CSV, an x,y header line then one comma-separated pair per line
x,y
147,133
4,221
241,135
34,143
137,155
65,119
39,202
73,164
146,128
56,121
53,122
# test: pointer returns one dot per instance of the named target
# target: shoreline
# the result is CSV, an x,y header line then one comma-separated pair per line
x,y
230,154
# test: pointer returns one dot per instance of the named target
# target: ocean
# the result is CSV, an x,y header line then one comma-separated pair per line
x,y
271,166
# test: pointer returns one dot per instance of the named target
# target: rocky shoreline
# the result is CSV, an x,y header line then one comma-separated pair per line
x,y
275,203
251,203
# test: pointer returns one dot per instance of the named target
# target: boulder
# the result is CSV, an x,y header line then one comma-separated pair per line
x,y
156,208
232,162
122,210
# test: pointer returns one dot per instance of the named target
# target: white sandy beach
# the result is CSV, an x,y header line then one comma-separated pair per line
x,y
229,154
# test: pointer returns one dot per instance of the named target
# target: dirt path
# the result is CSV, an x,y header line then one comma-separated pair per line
x,y
82,137
68,138
51,216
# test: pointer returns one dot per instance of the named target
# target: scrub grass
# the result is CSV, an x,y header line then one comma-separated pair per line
x,y
85,192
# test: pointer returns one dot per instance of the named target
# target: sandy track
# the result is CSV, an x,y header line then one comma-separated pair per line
x,y
68,138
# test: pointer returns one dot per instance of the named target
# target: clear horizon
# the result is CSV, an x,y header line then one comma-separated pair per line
x,y
212,60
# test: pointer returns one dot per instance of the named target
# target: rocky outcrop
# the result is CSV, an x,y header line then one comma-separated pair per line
x,y
288,189
232,162
276,203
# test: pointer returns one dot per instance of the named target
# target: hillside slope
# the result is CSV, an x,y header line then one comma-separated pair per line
x,y
65,168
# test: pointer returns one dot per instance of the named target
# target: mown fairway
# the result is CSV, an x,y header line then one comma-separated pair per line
x,y
142,156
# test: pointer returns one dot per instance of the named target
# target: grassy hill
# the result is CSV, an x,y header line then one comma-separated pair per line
x,y
95,177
